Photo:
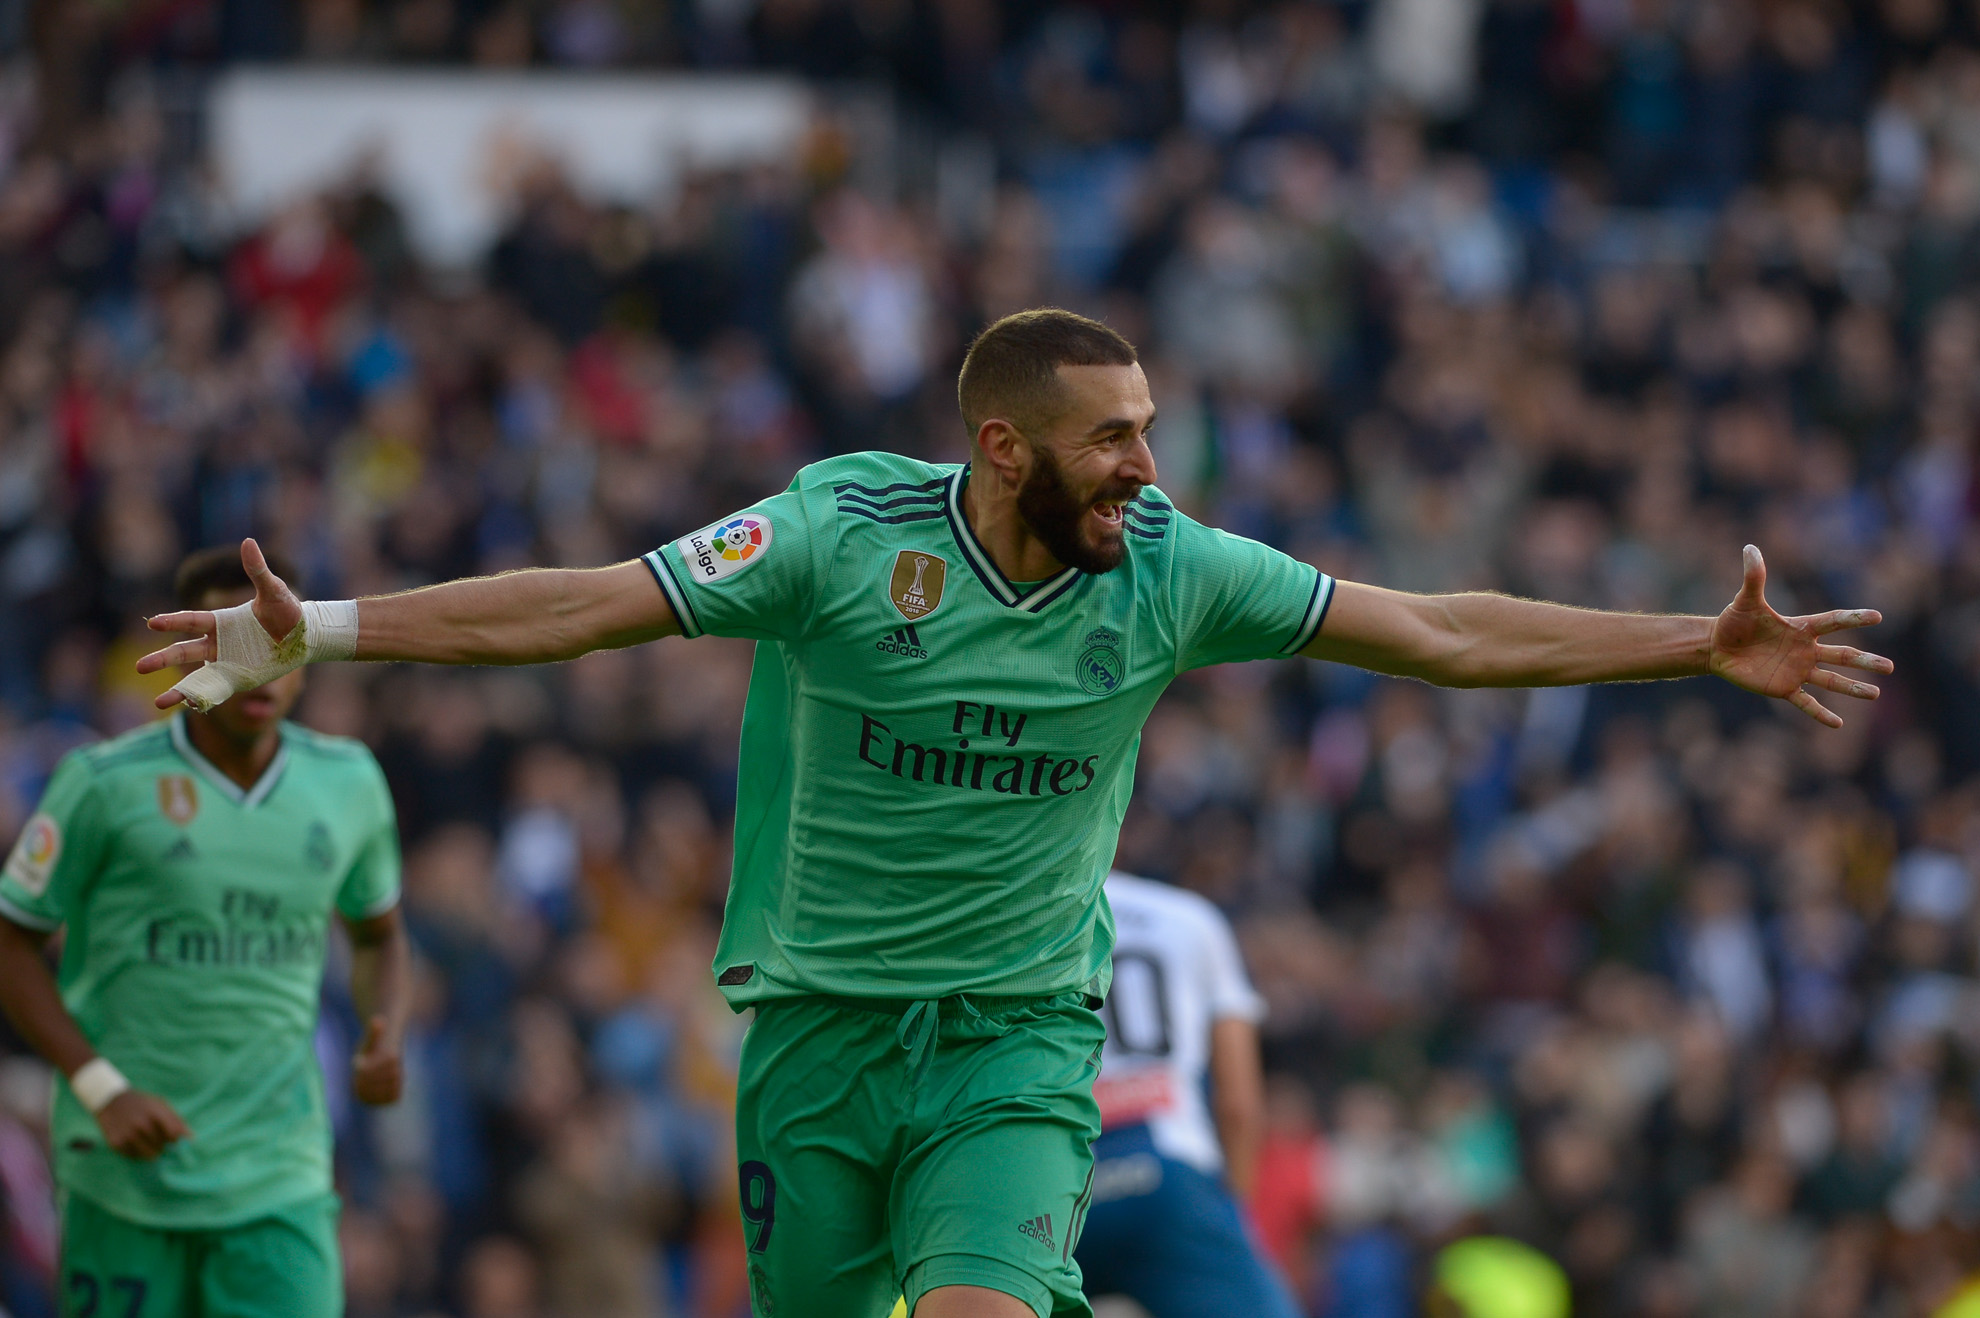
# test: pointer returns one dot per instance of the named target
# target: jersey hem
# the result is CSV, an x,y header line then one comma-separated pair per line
x,y
379,907
199,1223
676,594
1317,605
27,919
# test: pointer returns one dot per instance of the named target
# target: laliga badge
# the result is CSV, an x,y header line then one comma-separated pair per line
x,y
32,863
726,548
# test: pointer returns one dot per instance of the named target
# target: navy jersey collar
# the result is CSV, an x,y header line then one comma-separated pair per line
x,y
1030,599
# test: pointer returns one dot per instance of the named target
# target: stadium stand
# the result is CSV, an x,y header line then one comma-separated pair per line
x,y
1568,300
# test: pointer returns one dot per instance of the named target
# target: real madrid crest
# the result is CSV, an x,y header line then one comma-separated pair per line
x,y
916,586
178,798
1100,667
318,849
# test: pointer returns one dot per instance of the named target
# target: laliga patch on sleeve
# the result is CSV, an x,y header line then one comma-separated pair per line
x,y
726,548
32,862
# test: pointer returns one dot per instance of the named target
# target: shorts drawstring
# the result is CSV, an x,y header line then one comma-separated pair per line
x,y
920,1025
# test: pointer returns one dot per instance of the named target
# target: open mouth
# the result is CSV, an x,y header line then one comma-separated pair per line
x,y
1109,513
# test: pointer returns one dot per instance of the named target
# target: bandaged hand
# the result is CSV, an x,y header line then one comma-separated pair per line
x,y
251,644
249,657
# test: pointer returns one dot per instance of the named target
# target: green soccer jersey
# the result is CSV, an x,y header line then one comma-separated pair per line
x,y
196,918
935,760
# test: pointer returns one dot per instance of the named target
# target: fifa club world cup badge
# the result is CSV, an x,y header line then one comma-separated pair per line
x,y
1100,667
916,586
178,799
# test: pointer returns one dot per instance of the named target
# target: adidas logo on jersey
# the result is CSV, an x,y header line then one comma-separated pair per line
x,y
902,641
1039,1229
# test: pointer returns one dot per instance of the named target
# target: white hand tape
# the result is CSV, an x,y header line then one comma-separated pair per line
x,y
330,630
96,1082
249,657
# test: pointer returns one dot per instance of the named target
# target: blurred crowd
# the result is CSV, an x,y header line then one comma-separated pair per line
x,y
1569,299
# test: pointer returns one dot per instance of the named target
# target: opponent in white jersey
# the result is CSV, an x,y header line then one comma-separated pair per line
x,y
1181,1112
1179,990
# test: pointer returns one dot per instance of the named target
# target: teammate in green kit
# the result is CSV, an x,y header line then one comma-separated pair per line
x,y
194,866
953,668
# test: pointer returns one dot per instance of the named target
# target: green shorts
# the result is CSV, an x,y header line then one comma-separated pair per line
x,y
281,1266
883,1153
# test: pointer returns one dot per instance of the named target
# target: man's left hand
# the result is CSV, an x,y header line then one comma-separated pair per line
x,y
377,1071
1756,648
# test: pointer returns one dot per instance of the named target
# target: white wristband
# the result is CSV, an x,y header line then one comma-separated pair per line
x,y
96,1082
330,630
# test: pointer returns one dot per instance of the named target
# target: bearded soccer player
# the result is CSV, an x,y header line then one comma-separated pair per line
x,y
195,865
953,668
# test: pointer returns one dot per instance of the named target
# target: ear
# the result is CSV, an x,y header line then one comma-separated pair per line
x,y
1005,448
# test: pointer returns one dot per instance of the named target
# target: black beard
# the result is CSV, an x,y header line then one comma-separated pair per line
x,y
1054,512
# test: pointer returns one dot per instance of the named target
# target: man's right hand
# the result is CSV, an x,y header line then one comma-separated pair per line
x,y
140,1125
276,608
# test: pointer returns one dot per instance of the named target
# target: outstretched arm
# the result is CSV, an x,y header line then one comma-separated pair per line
x,y
1493,640
537,616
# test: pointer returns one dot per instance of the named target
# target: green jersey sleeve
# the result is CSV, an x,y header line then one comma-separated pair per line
x,y
755,574
372,885
58,852
1237,599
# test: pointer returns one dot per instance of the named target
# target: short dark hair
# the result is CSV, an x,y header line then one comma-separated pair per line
x,y
1010,370
219,568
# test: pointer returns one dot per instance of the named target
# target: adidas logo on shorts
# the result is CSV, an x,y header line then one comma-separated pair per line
x,y
903,641
1039,1229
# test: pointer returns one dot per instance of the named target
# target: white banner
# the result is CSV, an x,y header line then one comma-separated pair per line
x,y
447,146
